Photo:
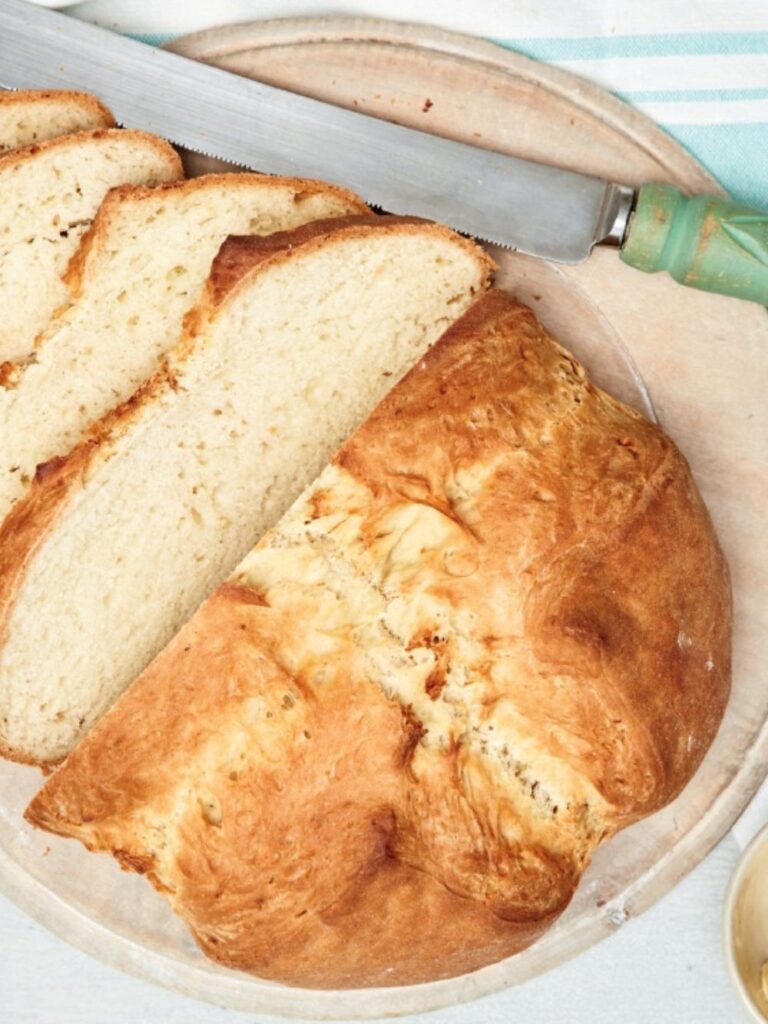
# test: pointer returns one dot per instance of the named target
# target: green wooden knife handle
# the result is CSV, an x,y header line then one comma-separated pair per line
x,y
703,241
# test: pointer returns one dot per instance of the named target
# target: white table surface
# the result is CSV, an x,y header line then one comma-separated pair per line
x,y
665,967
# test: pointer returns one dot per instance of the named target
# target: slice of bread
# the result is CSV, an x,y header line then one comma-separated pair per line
x,y
296,338
32,115
49,195
457,653
138,270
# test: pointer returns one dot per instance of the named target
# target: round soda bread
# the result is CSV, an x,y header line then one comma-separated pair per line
x,y
493,632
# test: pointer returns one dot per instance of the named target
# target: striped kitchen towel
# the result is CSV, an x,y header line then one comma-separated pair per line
x,y
698,69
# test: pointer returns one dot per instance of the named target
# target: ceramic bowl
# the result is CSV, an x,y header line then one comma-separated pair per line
x,y
745,925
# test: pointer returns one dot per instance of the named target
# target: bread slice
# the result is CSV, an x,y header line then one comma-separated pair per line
x,y
458,652
296,338
49,195
138,270
32,115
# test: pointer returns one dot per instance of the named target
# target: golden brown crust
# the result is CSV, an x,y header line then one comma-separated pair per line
x,y
631,591
240,254
241,257
308,826
24,97
99,229
313,894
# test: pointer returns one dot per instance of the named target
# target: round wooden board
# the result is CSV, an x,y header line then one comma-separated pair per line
x,y
699,361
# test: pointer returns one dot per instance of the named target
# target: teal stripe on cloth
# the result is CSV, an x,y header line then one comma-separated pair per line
x,y
154,38
675,44
591,48
735,154
643,95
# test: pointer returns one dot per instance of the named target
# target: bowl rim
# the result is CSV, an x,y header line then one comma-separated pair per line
x,y
758,842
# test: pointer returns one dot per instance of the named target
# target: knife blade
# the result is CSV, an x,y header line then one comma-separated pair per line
x,y
541,210
705,242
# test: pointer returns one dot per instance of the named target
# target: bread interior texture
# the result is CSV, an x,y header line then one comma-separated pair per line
x,y
142,269
260,399
48,199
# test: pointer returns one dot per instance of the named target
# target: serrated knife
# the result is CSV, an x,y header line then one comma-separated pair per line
x,y
705,241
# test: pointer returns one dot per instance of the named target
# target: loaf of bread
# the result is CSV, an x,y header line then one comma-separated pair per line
x,y
49,194
33,115
138,270
296,338
494,631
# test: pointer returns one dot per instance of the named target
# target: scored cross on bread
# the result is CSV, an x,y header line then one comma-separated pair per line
x,y
296,338
494,631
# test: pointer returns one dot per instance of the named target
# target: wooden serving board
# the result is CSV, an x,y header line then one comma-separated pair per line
x,y
698,362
